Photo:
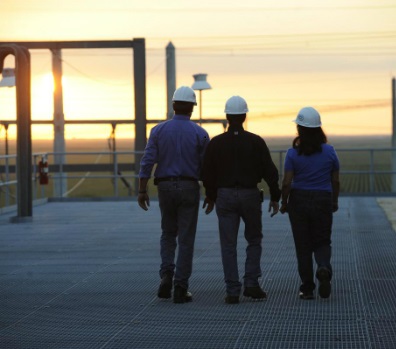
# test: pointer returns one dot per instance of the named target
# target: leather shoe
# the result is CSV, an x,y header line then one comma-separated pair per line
x,y
231,299
181,295
306,295
323,275
255,292
165,288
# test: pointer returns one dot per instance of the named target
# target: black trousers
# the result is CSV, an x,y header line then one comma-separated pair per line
x,y
311,219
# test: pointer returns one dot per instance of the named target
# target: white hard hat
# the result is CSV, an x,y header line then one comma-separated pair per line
x,y
236,105
308,117
184,94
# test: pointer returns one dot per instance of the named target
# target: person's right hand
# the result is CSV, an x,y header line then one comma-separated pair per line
x,y
274,206
144,201
210,205
283,208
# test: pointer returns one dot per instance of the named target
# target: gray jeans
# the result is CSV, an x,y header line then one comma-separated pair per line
x,y
232,204
179,205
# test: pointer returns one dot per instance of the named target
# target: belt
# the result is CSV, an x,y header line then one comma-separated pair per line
x,y
174,179
239,187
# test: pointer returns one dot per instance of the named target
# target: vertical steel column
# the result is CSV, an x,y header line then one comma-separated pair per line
x,y
170,78
7,170
60,186
113,149
24,137
139,69
393,135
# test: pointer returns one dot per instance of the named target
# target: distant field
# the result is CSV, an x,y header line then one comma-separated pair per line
x,y
275,143
89,186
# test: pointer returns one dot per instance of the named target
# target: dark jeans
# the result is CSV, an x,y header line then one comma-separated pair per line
x,y
179,204
232,204
311,218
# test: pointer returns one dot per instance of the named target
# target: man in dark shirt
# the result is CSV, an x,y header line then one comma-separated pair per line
x,y
234,163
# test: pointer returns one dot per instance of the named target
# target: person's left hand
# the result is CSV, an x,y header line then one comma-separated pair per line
x,y
209,204
274,205
144,201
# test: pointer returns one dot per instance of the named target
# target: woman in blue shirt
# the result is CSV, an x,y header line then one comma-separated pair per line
x,y
310,190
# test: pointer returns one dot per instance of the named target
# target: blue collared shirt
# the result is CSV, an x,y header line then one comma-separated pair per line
x,y
177,146
312,172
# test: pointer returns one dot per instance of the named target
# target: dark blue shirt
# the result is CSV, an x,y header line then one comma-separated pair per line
x,y
312,172
177,146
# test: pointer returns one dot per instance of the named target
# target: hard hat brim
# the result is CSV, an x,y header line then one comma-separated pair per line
x,y
305,125
195,103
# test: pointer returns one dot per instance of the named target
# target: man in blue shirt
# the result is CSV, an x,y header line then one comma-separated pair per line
x,y
177,147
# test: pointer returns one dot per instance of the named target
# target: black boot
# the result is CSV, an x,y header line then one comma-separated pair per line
x,y
324,276
165,288
255,292
181,295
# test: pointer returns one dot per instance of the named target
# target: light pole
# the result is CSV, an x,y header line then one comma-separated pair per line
x,y
200,84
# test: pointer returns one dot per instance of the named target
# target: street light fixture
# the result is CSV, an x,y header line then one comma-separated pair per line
x,y
8,79
200,84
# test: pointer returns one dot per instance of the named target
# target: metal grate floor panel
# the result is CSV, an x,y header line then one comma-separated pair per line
x,y
85,275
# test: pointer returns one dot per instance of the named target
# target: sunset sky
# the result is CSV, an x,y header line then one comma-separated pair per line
x,y
337,56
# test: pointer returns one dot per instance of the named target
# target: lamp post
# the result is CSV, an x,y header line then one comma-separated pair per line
x,y
200,84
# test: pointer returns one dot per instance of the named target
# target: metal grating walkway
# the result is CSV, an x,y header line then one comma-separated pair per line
x,y
85,275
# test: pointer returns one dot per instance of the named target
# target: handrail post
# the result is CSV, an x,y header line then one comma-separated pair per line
x,y
115,174
7,176
60,180
371,175
35,188
281,164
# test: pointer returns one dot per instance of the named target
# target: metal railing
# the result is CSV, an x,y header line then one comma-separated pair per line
x,y
368,171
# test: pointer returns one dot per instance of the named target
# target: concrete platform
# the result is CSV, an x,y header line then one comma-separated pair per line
x,y
85,275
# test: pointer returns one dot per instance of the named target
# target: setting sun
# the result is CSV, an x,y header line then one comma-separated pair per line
x,y
280,59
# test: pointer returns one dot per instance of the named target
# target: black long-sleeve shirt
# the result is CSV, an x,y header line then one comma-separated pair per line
x,y
239,158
